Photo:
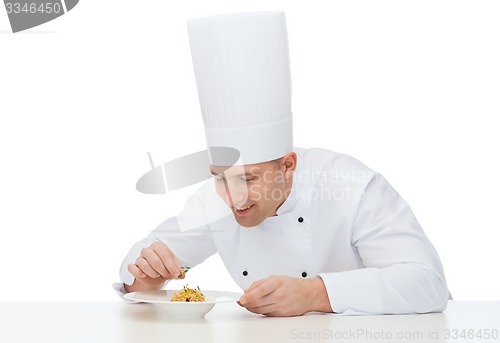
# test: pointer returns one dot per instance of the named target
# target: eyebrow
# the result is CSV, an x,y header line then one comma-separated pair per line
x,y
245,174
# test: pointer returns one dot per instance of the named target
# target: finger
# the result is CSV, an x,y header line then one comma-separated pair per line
x,y
168,259
135,271
270,280
257,296
155,262
278,314
146,268
268,300
256,284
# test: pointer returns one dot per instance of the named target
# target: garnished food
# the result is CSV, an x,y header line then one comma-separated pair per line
x,y
187,294
184,271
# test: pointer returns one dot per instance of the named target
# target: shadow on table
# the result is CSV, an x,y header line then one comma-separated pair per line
x,y
336,328
149,324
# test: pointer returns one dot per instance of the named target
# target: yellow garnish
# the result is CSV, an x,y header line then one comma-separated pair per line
x,y
187,294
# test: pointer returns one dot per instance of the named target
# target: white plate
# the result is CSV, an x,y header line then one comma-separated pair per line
x,y
183,310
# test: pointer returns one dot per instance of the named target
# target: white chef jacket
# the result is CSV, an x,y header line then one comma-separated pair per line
x,y
342,222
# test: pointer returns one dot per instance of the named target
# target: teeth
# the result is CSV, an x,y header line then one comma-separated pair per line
x,y
243,208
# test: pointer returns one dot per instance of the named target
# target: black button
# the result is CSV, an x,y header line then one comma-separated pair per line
x,y
304,274
245,273
300,219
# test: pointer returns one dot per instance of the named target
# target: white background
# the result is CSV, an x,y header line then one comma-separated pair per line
x,y
411,88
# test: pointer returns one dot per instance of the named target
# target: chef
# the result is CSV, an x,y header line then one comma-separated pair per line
x,y
299,230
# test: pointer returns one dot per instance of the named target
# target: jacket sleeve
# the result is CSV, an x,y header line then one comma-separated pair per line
x,y
402,271
186,235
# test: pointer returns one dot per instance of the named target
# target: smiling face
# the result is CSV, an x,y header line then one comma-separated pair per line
x,y
256,191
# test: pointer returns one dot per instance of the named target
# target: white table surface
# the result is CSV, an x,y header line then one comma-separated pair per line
x,y
122,322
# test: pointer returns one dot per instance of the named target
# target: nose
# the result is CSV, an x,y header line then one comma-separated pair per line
x,y
236,193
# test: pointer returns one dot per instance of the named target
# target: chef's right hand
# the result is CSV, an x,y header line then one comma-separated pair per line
x,y
153,267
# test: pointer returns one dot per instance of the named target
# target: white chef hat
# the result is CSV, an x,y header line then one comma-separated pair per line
x,y
242,70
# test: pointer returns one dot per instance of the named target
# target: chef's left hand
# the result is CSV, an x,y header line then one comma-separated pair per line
x,y
285,296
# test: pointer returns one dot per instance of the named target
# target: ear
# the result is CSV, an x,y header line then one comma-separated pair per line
x,y
290,163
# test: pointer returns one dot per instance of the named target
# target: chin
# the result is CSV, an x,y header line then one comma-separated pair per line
x,y
247,222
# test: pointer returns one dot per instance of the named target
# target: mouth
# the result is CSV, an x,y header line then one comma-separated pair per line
x,y
242,211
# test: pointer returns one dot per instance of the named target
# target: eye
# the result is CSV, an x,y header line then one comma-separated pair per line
x,y
248,179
